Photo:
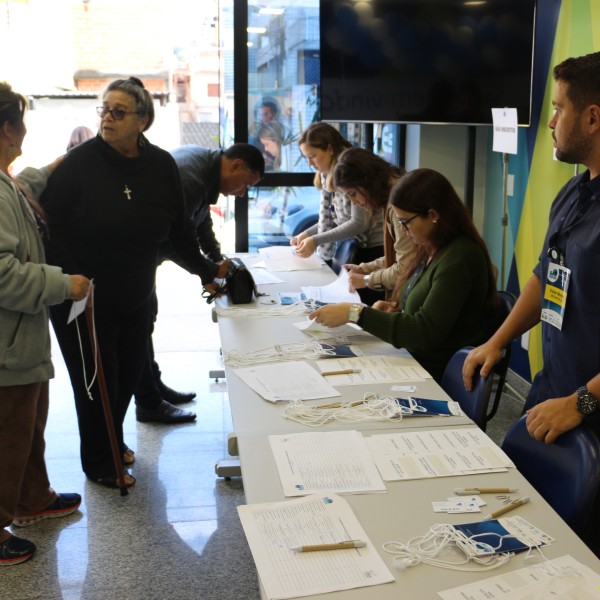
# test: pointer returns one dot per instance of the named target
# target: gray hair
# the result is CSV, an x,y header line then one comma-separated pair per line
x,y
144,106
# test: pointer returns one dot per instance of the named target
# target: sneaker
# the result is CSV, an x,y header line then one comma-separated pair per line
x,y
64,505
15,550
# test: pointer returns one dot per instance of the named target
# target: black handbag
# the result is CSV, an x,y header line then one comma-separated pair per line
x,y
239,283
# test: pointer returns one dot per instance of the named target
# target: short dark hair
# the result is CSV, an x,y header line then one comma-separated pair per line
x,y
248,153
583,76
361,169
12,106
144,106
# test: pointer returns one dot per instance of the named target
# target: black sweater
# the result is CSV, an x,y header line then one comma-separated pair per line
x,y
107,215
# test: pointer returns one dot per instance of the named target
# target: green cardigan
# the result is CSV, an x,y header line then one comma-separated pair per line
x,y
444,310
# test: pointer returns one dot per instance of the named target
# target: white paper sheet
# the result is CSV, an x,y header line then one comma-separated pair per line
x,y
273,528
561,578
374,369
285,381
336,291
436,453
283,258
318,331
78,306
263,277
337,461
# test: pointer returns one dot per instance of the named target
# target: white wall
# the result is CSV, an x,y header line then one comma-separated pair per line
x,y
443,148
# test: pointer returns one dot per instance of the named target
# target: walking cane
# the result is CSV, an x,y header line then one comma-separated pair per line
x,y
110,426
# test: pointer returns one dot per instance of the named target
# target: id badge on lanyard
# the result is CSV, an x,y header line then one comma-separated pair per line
x,y
555,294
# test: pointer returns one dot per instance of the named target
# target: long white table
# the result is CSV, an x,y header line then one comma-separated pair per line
x,y
405,511
254,415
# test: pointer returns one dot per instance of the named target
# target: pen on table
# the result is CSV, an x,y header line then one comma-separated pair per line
x,y
336,546
481,490
514,504
340,372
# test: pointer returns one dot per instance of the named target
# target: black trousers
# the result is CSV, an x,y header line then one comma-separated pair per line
x,y
122,341
146,392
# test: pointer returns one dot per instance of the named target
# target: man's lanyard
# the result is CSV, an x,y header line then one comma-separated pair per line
x,y
558,275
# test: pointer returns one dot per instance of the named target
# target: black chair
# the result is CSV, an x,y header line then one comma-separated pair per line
x,y
344,254
474,403
507,301
566,473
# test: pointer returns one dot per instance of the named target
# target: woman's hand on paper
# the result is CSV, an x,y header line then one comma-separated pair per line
x,y
332,315
80,286
305,247
356,281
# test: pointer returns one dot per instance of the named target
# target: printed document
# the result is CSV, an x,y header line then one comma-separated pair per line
x,y
436,453
374,369
285,381
319,331
337,461
284,258
272,529
336,291
561,578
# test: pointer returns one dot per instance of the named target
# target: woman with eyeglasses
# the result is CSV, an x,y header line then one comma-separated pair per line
x,y
366,180
339,218
110,204
447,291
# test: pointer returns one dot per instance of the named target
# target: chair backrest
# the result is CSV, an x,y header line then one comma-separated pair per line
x,y
344,254
474,403
507,301
566,473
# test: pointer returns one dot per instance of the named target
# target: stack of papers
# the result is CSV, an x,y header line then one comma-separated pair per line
x,y
274,528
338,461
562,578
375,369
285,381
436,453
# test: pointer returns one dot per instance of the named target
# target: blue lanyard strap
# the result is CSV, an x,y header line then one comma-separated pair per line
x,y
412,282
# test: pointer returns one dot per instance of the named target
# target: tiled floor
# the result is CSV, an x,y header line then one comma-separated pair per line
x,y
176,534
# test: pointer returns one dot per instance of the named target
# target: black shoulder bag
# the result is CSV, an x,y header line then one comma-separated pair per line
x,y
239,283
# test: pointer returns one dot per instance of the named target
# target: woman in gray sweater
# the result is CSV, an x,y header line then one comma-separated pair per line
x,y
27,287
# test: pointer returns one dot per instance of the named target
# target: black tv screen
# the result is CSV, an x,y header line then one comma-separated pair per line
x,y
426,61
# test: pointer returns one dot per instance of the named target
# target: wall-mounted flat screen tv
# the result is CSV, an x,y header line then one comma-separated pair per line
x,y
426,61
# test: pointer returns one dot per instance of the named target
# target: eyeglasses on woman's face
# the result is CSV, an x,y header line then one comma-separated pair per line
x,y
118,114
406,222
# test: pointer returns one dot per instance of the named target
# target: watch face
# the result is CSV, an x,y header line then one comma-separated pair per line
x,y
587,404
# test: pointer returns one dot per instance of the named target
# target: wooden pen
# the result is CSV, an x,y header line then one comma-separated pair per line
x,y
336,546
501,511
340,372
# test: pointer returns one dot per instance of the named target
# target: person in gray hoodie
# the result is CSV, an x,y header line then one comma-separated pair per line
x,y
27,287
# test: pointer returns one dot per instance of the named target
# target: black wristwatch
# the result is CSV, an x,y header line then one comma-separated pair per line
x,y
587,404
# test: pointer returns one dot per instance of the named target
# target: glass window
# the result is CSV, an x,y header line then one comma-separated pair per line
x,y
276,214
283,78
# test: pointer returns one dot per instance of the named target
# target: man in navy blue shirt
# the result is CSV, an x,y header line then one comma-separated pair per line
x,y
565,393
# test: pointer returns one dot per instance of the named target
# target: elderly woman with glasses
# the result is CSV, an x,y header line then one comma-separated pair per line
x,y
110,204
446,293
